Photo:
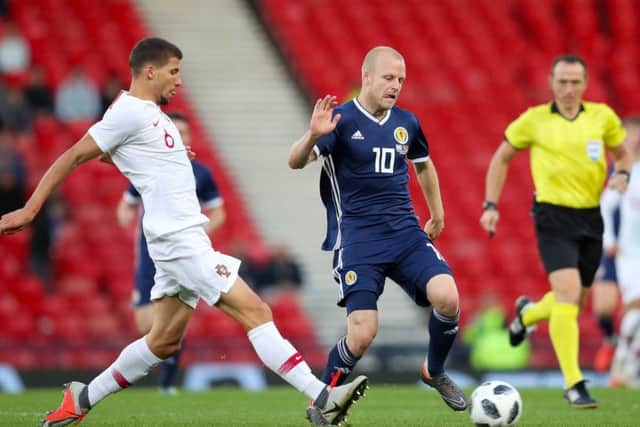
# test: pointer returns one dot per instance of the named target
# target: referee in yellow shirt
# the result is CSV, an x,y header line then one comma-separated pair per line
x,y
568,139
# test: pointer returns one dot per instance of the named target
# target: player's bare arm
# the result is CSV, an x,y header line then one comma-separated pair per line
x,y
126,213
84,150
217,216
322,122
496,177
622,163
428,179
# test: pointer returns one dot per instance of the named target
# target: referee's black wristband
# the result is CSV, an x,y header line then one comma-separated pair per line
x,y
487,205
624,173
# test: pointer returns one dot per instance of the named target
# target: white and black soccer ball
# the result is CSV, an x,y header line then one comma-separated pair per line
x,y
495,403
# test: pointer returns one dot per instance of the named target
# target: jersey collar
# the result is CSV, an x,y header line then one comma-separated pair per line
x,y
556,110
370,116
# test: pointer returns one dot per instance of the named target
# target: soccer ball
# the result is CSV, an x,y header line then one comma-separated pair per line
x,y
495,403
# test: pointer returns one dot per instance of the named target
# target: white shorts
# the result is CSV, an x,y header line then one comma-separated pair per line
x,y
628,270
189,268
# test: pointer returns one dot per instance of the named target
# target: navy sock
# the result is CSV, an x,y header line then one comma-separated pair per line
x,y
606,325
442,334
340,363
169,369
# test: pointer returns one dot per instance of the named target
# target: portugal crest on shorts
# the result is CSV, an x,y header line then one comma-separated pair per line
x,y
351,277
401,135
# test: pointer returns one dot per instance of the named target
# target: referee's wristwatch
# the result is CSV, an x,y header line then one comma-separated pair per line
x,y
624,173
487,205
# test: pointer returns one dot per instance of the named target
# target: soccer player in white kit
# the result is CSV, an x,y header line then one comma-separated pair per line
x,y
625,368
146,147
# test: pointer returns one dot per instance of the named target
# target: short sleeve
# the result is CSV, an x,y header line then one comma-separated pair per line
x,y
131,195
614,132
114,128
519,132
326,144
206,187
419,147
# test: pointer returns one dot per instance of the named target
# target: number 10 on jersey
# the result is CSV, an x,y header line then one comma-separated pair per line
x,y
385,158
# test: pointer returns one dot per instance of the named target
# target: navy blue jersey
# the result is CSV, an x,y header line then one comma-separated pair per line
x,y
364,178
209,196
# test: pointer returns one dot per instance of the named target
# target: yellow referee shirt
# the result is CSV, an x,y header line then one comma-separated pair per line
x,y
568,160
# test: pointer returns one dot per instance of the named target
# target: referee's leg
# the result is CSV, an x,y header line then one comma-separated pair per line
x,y
563,322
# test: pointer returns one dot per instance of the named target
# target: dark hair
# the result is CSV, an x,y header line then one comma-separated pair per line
x,y
152,50
569,59
632,120
175,115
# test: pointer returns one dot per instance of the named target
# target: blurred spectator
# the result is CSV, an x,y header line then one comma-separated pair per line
x,y
37,91
43,232
110,90
15,54
77,98
14,110
282,273
13,176
488,340
252,269
4,8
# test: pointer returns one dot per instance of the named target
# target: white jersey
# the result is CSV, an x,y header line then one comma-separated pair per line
x,y
628,239
146,147
629,235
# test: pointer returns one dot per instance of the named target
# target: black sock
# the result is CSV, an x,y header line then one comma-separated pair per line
x,y
169,369
442,334
340,363
606,325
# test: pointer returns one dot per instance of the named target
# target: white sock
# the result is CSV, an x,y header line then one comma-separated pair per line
x,y
623,357
282,358
632,336
634,360
133,363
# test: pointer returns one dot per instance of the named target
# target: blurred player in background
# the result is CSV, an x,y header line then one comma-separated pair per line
x,y
212,203
605,287
146,147
605,296
568,139
371,224
625,247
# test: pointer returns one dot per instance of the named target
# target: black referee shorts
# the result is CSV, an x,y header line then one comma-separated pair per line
x,y
569,238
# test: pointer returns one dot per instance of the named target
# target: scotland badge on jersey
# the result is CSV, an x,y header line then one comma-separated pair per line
x,y
401,136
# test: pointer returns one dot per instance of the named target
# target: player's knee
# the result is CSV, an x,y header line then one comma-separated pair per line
x,y
447,305
446,300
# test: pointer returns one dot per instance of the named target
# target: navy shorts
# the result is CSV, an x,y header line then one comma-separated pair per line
x,y
145,273
607,270
410,260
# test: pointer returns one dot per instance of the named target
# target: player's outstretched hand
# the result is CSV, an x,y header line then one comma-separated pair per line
x,y
322,119
489,221
619,182
434,228
15,221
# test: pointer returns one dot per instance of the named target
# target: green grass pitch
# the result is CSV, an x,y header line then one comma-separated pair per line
x,y
384,405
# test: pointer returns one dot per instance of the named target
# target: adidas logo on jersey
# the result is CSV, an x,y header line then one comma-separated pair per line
x,y
357,135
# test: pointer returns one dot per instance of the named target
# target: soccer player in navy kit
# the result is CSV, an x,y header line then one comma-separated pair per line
x,y
371,225
212,203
